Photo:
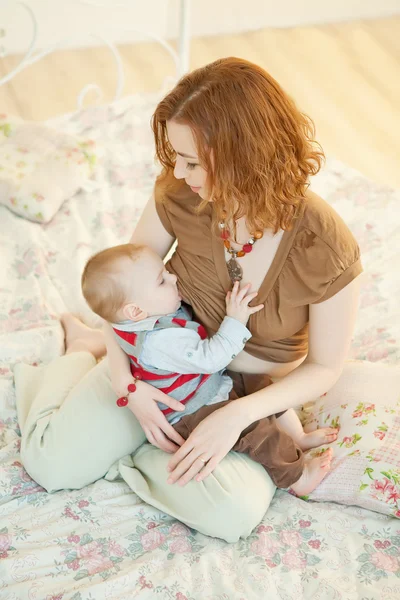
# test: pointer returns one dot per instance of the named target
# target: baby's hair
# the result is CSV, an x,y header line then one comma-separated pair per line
x,y
103,288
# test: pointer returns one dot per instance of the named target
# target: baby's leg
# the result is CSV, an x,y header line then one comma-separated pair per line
x,y
266,443
314,472
290,423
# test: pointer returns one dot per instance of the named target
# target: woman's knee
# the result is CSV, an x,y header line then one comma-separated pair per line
x,y
75,462
249,494
52,468
70,453
229,504
75,440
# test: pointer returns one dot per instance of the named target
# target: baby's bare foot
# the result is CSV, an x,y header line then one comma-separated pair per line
x,y
81,338
314,472
313,439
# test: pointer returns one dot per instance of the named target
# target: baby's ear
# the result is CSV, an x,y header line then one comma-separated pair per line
x,y
133,312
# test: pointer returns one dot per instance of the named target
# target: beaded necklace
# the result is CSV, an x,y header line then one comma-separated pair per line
x,y
234,269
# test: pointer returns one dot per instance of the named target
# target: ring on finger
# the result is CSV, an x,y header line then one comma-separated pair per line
x,y
202,460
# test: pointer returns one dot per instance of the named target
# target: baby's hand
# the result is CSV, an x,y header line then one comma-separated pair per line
x,y
237,303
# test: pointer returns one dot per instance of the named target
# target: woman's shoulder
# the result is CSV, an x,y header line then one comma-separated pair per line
x,y
325,255
174,205
170,191
321,221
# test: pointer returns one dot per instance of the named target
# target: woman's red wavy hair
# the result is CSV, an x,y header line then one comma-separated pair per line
x,y
263,147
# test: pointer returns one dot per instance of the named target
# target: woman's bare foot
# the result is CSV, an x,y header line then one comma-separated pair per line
x,y
314,472
313,439
81,338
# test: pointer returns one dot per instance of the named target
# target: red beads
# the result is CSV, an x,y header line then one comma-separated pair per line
x,y
246,248
121,402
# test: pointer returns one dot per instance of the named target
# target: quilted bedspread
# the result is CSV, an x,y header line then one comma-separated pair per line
x,y
103,542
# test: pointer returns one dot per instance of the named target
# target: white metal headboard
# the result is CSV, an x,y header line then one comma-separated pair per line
x,y
180,58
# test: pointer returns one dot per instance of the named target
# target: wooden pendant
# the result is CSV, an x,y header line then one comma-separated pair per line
x,y
235,270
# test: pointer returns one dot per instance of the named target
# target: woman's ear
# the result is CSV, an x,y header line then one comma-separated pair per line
x,y
132,312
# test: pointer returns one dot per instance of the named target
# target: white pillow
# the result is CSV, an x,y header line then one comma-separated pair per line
x,y
365,404
40,167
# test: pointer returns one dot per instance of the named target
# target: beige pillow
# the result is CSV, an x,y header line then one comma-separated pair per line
x,y
41,167
365,404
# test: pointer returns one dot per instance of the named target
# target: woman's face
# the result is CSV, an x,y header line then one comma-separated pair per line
x,y
187,164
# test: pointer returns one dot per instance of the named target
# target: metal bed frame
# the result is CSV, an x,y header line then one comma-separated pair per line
x,y
33,55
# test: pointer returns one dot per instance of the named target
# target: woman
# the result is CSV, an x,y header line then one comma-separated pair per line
x,y
237,156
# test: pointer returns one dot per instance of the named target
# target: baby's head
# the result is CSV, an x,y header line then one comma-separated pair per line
x,y
129,282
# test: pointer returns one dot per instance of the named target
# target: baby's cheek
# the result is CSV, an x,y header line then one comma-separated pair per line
x,y
182,295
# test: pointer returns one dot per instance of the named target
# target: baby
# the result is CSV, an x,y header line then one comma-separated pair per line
x,y
129,287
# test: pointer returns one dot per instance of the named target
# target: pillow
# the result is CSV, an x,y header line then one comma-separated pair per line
x,y
365,405
40,167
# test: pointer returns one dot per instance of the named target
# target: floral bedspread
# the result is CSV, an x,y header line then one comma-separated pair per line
x,y
103,542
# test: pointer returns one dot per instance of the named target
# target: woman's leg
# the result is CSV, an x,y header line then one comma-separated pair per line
x,y
72,430
228,504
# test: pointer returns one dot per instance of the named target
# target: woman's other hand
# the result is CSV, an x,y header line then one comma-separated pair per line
x,y
143,404
206,446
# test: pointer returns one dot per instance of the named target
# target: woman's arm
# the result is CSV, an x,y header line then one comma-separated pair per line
x,y
120,371
151,232
330,333
331,329
143,403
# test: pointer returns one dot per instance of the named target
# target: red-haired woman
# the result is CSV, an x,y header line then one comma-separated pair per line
x,y
237,157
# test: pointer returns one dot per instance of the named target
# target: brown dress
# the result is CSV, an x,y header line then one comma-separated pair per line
x,y
316,259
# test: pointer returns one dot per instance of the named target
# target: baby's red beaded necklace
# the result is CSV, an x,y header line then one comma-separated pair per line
x,y
234,269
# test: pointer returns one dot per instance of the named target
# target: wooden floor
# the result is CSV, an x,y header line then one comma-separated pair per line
x,y
345,76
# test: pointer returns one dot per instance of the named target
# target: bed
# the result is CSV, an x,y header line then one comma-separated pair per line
x,y
103,542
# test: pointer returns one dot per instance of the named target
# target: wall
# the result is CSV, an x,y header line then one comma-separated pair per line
x,y
59,19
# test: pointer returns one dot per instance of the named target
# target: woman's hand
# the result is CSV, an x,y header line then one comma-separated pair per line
x,y
206,446
143,404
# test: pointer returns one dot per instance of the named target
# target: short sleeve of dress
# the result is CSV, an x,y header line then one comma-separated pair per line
x,y
163,216
325,256
336,263
343,276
